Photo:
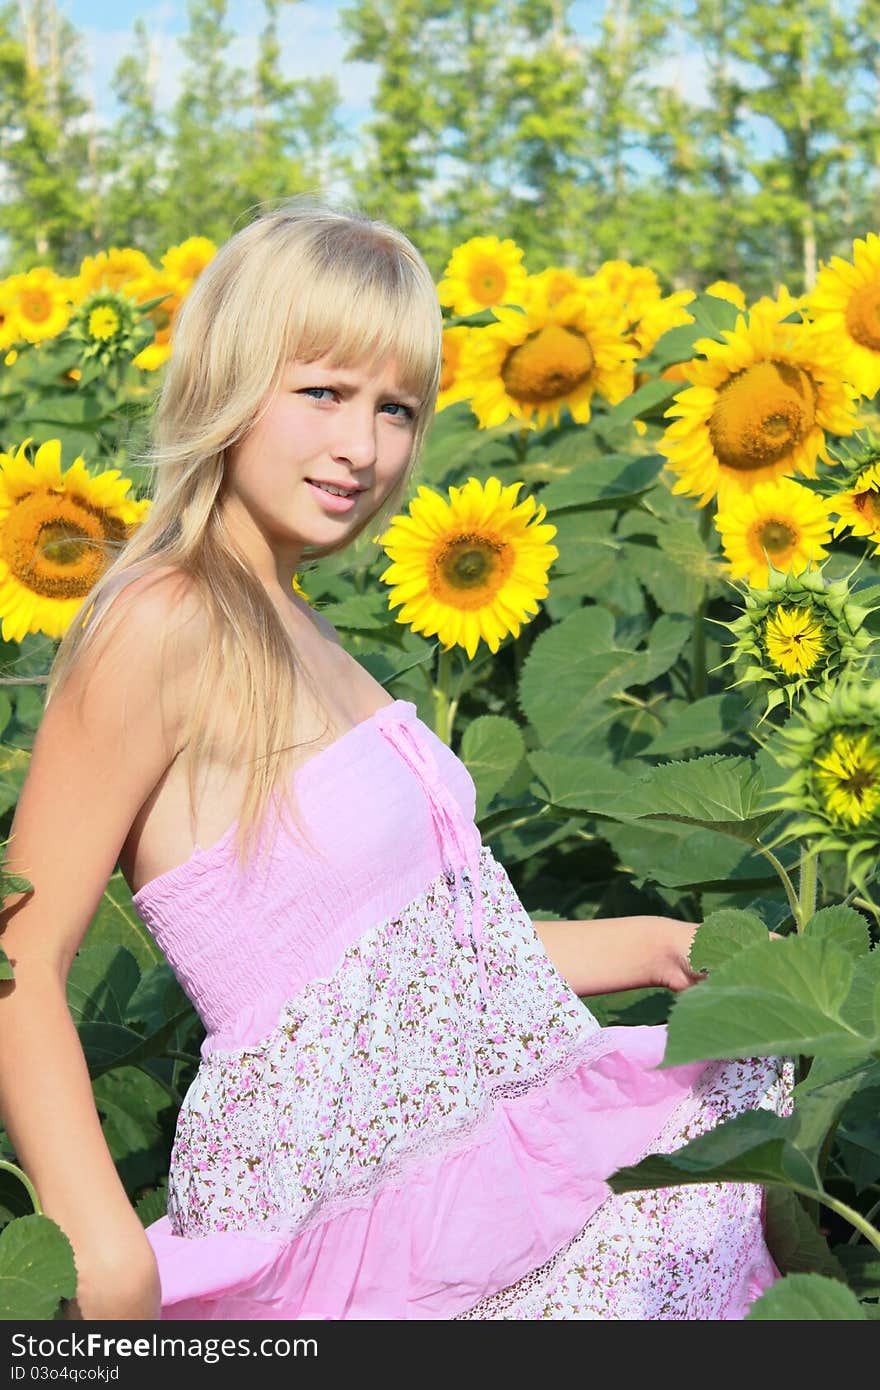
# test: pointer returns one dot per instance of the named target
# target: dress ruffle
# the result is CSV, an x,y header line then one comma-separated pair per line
x,y
463,1224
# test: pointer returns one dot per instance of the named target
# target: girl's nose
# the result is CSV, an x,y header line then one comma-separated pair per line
x,y
356,443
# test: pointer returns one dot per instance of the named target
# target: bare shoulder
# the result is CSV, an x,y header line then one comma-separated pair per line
x,y
327,628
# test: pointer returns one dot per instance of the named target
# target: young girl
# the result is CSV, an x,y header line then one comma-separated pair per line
x,y
403,1110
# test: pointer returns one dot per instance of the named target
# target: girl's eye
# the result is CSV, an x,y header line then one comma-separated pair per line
x,y
316,391
407,413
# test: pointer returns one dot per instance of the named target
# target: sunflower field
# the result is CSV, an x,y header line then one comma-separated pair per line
x,y
637,589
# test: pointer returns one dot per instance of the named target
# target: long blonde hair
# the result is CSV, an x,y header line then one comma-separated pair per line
x,y
303,280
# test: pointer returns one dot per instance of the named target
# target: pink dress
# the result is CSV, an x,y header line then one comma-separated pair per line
x,y
402,1109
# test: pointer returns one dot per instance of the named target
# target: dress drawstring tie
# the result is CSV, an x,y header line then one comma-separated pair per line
x,y
452,827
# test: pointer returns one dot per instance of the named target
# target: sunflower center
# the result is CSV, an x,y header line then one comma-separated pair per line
x,y
551,363
103,322
36,305
471,569
794,639
868,504
57,546
775,536
847,776
487,283
762,414
863,316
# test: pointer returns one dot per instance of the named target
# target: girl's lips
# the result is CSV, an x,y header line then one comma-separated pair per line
x,y
331,501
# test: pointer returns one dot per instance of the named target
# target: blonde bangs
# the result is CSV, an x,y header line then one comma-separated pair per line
x,y
370,302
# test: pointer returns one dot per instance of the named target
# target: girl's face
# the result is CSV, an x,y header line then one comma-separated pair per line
x,y
347,426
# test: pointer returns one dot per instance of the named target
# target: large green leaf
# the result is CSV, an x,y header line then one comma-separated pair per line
x,y
858,1134
806,1298
101,981
492,748
36,1269
798,995
579,784
130,1103
717,792
831,1086
117,922
703,725
677,856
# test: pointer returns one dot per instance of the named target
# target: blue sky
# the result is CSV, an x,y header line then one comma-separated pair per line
x,y
312,43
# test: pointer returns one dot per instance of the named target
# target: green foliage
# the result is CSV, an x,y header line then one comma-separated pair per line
x,y
36,1268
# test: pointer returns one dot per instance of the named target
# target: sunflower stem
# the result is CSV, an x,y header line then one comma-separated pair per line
x,y
787,884
808,879
442,713
522,445
25,1182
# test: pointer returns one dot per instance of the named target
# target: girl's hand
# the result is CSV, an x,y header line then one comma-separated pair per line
x,y
671,967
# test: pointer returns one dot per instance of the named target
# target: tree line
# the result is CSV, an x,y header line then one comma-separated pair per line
x,y
709,138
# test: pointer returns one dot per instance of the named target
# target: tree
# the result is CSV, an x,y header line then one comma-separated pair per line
x,y
48,207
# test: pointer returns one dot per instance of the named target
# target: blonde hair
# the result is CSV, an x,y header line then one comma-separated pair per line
x,y
301,281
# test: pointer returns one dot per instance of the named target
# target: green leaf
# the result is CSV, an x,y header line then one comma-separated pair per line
x,y
844,926
721,792
704,724
793,1239
130,1103
492,748
153,1206
36,1269
15,1200
858,1135
772,999
6,971
116,921
157,998
752,1147
578,783
824,1095
722,935
806,1298
649,401
678,856
616,480
862,1266
100,983
14,764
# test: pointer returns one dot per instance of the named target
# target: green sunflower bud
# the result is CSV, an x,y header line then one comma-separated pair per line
x,y
111,327
832,744
800,632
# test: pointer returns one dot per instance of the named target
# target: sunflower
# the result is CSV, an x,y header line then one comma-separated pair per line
x,y
845,306
551,285
162,315
108,325
185,263
859,506
553,355
798,632
644,314
451,388
58,533
781,523
471,567
9,330
726,289
832,743
757,407
481,273
38,304
110,270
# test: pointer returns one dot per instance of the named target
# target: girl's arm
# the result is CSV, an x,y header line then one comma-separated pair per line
x,y
101,747
614,953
